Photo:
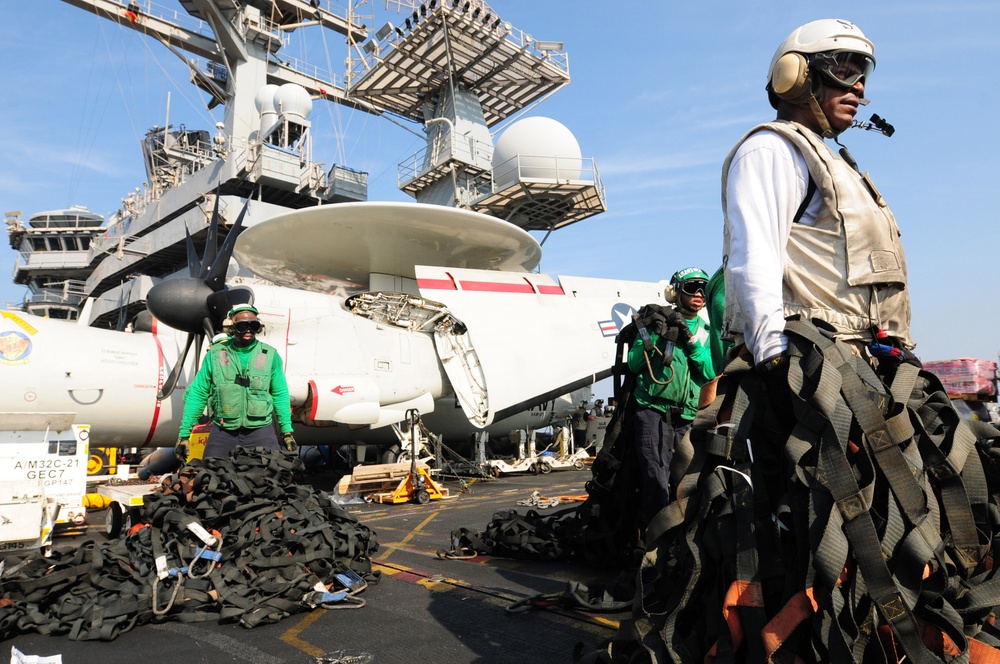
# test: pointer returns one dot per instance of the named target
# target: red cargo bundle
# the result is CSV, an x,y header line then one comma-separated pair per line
x,y
966,378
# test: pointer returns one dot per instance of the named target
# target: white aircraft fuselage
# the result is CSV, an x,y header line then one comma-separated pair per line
x,y
528,351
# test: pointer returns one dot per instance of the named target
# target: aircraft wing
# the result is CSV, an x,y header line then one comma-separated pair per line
x,y
529,337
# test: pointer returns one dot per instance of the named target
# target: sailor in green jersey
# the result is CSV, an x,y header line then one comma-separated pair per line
x,y
243,380
666,391
716,295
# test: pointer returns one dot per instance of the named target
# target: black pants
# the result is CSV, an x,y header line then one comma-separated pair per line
x,y
656,435
223,441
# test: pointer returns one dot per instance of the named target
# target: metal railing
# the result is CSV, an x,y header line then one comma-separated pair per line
x,y
444,148
311,70
178,17
70,294
542,167
52,260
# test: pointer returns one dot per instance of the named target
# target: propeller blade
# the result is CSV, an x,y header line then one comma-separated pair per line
x,y
219,303
211,240
197,350
208,332
122,311
194,266
217,275
175,374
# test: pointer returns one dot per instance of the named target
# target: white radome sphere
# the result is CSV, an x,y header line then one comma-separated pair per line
x,y
292,99
264,99
547,148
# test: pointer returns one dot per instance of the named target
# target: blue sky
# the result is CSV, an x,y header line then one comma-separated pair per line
x,y
660,92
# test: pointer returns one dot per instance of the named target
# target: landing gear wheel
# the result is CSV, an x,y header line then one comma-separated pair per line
x,y
114,520
544,468
423,497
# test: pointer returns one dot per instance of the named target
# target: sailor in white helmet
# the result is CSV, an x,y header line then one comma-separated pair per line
x,y
823,510
805,233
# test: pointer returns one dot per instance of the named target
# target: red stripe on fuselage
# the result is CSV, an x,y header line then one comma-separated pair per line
x,y
159,386
437,284
490,286
496,287
315,400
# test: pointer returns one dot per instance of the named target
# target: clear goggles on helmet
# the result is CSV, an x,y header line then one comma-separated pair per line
x,y
843,68
694,286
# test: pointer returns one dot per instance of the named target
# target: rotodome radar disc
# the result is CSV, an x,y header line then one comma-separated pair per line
x,y
324,247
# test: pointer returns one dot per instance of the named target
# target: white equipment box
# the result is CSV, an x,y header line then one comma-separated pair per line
x,y
43,479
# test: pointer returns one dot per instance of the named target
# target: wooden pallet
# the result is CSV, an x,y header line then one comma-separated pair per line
x,y
377,478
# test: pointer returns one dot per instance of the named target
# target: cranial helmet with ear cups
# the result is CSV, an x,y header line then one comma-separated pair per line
x,y
788,75
672,291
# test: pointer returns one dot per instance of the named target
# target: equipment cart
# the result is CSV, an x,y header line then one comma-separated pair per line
x,y
126,499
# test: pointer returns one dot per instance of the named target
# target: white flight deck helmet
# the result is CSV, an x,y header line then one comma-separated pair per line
x,y
824,49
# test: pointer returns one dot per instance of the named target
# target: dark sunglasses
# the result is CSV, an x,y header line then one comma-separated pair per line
x,y
244,326
694,286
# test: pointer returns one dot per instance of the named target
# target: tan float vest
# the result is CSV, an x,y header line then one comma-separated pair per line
x,y
848,268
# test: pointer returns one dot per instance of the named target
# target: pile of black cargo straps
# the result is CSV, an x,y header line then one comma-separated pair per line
x,y
232,540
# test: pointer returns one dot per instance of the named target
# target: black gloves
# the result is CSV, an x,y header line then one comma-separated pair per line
x,y
182,448
676,321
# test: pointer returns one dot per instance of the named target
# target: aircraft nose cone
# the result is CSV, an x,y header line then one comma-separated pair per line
x,y
180,303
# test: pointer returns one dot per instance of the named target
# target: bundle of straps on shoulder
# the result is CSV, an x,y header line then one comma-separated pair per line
x,y
860,527
229,540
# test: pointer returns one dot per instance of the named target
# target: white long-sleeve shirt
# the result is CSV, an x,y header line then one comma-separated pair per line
x,y
767,181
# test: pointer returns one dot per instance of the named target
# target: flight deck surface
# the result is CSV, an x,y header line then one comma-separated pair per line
x,y
424,608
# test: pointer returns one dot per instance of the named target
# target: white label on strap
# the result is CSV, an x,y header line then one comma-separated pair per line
x,y
18,657
201,533
162,571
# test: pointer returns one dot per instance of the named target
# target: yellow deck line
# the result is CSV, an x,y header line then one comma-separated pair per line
x,y
410,535
434,583
291,637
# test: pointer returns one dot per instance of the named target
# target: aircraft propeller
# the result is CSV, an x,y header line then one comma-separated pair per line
x,y
191,304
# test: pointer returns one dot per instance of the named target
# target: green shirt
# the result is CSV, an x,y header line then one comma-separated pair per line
x,y
716,297
197,395
679,384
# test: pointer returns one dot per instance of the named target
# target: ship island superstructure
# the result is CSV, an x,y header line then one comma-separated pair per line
x,y
54,258
453,68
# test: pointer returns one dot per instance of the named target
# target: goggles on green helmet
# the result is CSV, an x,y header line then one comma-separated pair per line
x,y
694,286
842,68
